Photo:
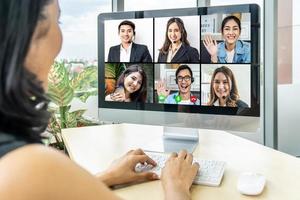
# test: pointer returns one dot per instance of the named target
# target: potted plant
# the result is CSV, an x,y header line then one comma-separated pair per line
x,y
64,86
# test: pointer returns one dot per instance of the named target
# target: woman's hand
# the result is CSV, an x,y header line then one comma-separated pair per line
x,y
162,88
123,170
212,47
116,96
178,175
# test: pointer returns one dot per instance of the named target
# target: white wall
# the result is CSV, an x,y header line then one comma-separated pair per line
x,y
289,97
296,42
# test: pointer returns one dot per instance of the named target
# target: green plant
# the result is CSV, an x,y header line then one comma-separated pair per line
x,y
63,86
112,72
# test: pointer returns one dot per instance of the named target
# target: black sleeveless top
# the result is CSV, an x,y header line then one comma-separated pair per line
x,y
9,143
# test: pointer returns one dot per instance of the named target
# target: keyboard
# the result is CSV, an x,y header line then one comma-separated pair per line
x,y
210,172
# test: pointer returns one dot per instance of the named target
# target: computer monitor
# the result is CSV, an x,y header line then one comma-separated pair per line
x,y
190,67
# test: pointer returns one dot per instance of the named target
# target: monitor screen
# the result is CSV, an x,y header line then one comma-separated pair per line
x,y
190,60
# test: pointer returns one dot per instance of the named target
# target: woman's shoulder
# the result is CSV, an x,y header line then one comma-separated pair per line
x,y
30,163
140,46
188,47
242,104
243,44
51,174
31,158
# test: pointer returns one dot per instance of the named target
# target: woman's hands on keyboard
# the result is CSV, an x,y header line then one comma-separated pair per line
x,y
122,170
178,175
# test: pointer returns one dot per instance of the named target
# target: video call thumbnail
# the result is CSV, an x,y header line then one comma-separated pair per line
x,y
128,82
129,40
177,84
177,39
226,38
226,85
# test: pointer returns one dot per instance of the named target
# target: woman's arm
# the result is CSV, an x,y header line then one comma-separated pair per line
x,y
211,47
194,55
116,96
122,170
35,172
178,175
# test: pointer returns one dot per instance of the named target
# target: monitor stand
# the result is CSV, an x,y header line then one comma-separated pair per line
x,y
175,139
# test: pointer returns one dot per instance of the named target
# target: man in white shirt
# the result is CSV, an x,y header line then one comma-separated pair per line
x,y
128,51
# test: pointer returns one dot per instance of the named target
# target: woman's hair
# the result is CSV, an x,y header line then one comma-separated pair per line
x,y
167,42
233,94
23,106
228,18
141,94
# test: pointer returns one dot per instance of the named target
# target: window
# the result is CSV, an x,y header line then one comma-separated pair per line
x,y
79,28
131,5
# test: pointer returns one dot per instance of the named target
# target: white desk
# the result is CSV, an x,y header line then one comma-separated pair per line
x,y
94,148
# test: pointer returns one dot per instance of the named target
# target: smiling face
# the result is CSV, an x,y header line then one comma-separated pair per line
x,y
46,43
174,33
231,32
221,86
184,81
126,34
133,82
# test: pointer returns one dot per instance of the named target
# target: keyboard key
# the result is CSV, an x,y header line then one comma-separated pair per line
x,y
211,171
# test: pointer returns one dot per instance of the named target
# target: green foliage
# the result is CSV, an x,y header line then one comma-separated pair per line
x,y
63,87
59,89
112,72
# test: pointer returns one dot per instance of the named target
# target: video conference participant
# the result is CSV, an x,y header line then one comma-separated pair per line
x,y
184,80
25,61
131,86
128,51
223,89
176,47
231,50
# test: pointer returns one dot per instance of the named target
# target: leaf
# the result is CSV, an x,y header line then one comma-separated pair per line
x,y
54,128
84,78
114,70
62,88
78,113
59,90
83,96
73,117
112,73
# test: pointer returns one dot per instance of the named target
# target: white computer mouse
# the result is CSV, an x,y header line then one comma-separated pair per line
x,y
250,183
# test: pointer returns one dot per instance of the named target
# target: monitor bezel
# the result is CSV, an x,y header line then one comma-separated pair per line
x,y
253,110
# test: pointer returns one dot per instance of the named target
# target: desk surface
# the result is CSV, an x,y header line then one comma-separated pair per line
x,y
94,148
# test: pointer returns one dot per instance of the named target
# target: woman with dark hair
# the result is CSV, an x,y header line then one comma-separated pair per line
x,y
131,86
231,50
176,47
223,89
30,39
